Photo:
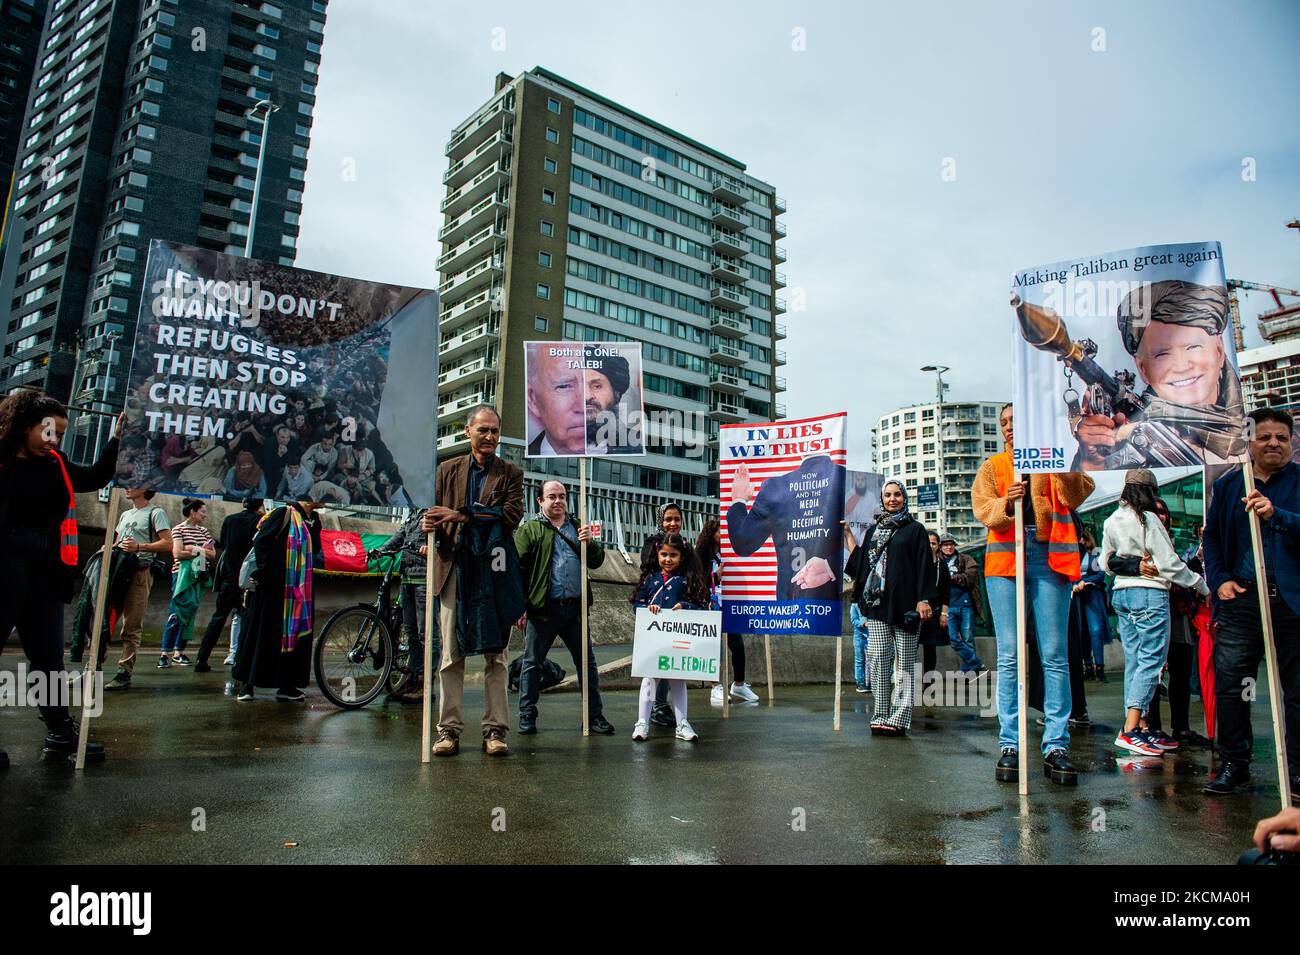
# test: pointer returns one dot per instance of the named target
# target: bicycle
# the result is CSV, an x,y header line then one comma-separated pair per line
x,y
357,655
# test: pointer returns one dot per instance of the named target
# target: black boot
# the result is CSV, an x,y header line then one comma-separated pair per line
x,y
62,742
1008,768
1231,776
1058,768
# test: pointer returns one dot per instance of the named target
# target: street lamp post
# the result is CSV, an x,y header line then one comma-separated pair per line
x,y
939,389
267,108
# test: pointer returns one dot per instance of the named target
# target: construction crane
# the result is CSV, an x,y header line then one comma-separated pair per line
x,y
1279,323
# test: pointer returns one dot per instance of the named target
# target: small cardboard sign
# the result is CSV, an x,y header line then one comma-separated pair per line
x,y
594,527
677,644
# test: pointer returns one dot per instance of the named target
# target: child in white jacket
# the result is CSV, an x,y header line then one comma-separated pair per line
x,y
1141,602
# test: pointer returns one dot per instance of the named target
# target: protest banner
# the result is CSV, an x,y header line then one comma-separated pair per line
x,y
233,356
782,494
584,399
1126,360
677,644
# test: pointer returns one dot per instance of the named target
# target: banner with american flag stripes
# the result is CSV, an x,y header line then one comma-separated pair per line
x,y
782,491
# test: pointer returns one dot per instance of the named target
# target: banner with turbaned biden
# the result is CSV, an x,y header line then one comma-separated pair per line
x,y
1126,360
255,379
584,399
782,490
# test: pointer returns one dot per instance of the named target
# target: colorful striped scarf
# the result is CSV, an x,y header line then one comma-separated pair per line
x,y
297,582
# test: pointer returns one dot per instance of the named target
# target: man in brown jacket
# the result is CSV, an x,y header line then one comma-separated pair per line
x,y
483,478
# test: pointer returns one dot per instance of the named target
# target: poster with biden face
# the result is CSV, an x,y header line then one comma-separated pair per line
x,y
1126,360
584,399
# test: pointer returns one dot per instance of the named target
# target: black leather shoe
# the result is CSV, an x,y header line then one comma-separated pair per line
x,y
202,667
527,727
63,743
1008,769
1227,780
600,725
662,715
1058,768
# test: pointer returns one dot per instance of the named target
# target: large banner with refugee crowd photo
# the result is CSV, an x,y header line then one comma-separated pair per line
x,y
584,398
1126,360
250,378
782,489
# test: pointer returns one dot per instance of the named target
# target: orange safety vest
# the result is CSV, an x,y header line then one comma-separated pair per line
x,y
1062,538
68,528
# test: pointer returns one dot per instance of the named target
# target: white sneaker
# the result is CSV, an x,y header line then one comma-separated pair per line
x,y
686,732
715,695
229,661
741,691
641,730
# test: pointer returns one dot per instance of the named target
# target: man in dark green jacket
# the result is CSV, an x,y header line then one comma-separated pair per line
x,y
549,559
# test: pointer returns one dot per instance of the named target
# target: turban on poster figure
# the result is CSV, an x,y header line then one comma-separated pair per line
x,y
583,398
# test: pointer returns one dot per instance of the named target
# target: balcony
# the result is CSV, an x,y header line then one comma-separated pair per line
x,y
726,354
727,383
778,253
780,384
449,441
471,248
725,412
779,355
467,373
728,269
467,341
467,167
780,410
728,297
484,273
780,330
780,305
486,210
729,189
779,228
480,128
778,279
726,323
729,243
447,412
778,205
476,306
728,216
492,178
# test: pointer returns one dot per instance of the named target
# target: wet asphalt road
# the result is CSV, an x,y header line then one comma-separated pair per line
x,y
349,787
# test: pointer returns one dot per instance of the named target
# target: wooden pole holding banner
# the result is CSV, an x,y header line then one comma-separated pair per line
x,y
724,677
426,724
1022,695
839,671
583,464
101,600
767,651
1270,652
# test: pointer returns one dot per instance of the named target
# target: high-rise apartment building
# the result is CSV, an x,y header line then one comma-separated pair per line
x,y
20,34
570,217
913,445
138,127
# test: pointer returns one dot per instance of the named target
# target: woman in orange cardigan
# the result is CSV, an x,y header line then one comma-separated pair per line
x,y
1051,567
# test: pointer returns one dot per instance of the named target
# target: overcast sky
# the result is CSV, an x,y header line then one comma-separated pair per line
x,y
1060,150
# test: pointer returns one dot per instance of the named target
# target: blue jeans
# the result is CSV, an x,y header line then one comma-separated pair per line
x,y
859,644
1143,616
961,622
1049,593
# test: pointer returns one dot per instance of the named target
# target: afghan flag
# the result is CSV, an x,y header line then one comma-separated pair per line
x,y
347,552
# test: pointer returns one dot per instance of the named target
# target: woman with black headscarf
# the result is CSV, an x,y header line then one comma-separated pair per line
x,y
894,585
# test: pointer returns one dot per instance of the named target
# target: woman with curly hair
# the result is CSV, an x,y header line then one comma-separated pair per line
x,y
38,553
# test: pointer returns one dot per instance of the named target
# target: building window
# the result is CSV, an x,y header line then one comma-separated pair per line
x,y
544,259
541,323
271,10
552,104
550,165
552,135
543,291
548,196
264,51
304,108
298,174
548,228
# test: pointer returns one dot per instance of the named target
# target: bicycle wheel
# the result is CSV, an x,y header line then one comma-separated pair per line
x,y
353,657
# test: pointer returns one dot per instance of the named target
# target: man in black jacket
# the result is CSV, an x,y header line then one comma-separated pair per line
x,y
234,543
